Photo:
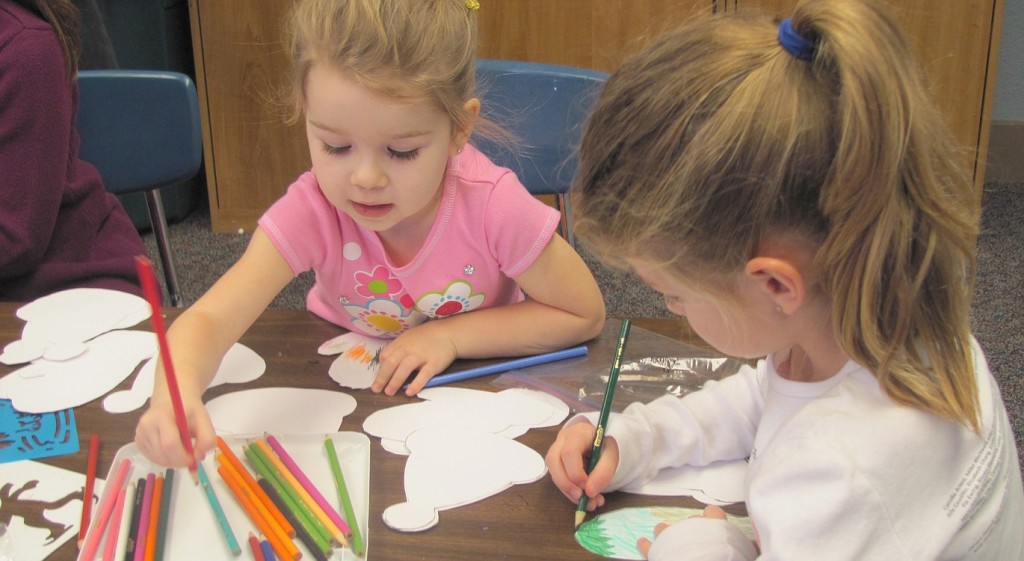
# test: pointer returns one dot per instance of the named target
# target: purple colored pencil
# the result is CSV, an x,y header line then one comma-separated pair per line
x,y
144,517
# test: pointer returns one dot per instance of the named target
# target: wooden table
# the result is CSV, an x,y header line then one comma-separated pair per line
x,y
532,521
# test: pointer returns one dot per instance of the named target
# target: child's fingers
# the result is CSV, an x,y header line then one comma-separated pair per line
x,y
644,545
427,371
205,436
565,459
712,511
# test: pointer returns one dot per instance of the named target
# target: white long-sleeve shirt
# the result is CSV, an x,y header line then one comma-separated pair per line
x,y
838,471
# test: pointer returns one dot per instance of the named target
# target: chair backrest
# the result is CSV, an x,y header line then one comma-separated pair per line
x,y
544,105
140,128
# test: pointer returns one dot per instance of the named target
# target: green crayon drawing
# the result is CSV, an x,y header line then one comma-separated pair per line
x,y
614,534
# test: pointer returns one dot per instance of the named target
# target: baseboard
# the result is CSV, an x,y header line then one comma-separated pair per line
x,y
1005,152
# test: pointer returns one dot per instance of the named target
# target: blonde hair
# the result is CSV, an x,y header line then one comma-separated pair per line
x,y
716,137
415,50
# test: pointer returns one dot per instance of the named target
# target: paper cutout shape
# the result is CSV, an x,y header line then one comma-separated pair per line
x,y
452,467
719,483
240,364
280,411
192,522
28,436
614,534
56,496
45,386
58,324
357,365
511,411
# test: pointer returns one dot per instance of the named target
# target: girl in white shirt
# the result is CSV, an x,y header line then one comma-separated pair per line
x,y
793,193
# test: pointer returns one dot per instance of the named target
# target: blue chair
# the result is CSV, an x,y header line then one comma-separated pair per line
x,y
141,129
545,106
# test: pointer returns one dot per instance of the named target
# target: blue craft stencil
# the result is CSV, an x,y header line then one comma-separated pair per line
x,y
28,436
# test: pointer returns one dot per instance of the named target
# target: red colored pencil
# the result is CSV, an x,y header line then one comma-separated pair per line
x,y
254,544
90,483
152,292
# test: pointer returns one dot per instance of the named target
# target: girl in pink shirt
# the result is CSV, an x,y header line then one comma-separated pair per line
x,y
405,225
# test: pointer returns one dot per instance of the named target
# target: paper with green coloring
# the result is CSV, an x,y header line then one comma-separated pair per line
x,y
614,534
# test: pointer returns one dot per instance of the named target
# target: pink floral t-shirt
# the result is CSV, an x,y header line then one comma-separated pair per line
x,y
488,230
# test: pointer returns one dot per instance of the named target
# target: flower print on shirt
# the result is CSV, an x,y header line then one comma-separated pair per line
x,y
383,317
377,284
458,297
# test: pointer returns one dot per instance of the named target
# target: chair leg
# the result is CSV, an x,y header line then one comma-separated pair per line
x,y
159,221
565,226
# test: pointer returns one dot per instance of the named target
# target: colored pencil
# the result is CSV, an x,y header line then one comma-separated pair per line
x,y
602,420
144,518
152,293
505,366
259,509
250,481
154,519
165,513
103,512
259,513
254,545
218,511
290,489
133,528
245,501
115,525
90,483
346,501
125,523
318,551
309,487
305,527
268,552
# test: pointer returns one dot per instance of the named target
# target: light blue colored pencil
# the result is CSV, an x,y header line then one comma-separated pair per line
x,y
218,511
506,366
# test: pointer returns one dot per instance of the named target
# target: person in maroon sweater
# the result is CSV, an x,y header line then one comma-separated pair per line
x,y
59,227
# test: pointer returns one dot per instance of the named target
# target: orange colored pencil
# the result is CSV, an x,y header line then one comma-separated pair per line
x,y
251,483
154,518
282,548
308,499
251,495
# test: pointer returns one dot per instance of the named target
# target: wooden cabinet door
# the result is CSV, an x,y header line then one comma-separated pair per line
x,y
242,73
596,34
956,43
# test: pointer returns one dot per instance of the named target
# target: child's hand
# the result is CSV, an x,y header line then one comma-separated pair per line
x,y
567,458
424,348
644,544
157,435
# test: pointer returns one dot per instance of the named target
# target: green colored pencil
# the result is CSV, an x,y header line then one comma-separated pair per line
x,y
602,420
346,501
263,466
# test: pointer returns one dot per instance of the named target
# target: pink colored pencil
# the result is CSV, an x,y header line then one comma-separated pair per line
x,y
106,507
289,463
115,525
149,288
144,518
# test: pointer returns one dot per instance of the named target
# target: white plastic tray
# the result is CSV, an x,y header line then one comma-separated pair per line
x,y
192,531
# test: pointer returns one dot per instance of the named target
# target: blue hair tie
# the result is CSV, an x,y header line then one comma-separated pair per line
x,y
794,43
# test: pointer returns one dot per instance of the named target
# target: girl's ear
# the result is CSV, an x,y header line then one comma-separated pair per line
x,y
780,279
472,110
